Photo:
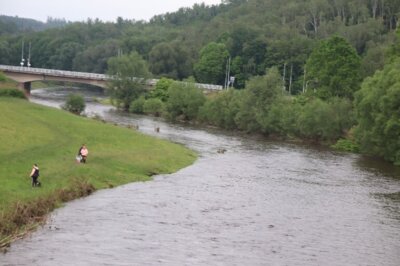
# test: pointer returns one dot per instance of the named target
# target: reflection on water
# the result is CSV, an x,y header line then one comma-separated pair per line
x,y
260,203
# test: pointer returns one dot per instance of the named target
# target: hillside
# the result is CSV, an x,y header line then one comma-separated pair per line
x,y
256,35
14,25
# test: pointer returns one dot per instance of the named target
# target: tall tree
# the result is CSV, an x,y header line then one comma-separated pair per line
x,y
211,66
378,105
130,73
170,60
333,69
94,59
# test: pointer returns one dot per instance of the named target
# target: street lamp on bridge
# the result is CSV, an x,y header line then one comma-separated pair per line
x,y
22,55
28,63
29,56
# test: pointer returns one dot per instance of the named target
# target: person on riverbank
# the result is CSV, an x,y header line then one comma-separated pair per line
x,y
83,153
35,175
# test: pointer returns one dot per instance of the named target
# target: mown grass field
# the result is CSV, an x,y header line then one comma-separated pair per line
x,y
30,133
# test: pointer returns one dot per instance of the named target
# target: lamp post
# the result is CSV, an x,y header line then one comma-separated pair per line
x,y
29,56
227,72
22,55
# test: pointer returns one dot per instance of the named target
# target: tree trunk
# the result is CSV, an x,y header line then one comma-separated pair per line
x,y
290,80
374,7
284,77
314,23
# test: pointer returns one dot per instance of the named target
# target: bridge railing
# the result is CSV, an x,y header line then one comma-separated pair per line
x,y
85,75
54,72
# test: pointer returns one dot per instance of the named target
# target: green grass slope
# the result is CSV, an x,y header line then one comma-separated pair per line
x,y
31,133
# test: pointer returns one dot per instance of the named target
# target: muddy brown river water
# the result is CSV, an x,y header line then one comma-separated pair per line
x,y
260,203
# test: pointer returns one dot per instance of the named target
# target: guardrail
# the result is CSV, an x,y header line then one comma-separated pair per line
x,y
85,75
53,72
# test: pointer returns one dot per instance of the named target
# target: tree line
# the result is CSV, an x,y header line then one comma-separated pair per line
x,y
255,34
338,107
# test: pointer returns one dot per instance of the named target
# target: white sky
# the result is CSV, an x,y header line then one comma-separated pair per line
x,y
105,10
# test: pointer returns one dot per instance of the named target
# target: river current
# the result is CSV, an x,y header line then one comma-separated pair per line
x,y
259,203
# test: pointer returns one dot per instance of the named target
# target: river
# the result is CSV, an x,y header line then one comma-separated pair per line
x,y
260,203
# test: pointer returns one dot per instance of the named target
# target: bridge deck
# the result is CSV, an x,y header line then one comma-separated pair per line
x,y
83,75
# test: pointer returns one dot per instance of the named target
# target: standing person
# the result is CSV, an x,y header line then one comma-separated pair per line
x,y
83,152
35,175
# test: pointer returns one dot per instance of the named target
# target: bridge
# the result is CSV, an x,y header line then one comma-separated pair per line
x,y
26,75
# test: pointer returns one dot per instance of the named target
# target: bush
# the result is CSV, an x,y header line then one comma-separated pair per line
x,y
2,76
75,104
323,120
346,145
161,89
184,101
282,117
136,106
221,110
16,93
153,106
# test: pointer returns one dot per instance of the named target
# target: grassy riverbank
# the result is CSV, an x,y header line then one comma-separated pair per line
x,y
31,133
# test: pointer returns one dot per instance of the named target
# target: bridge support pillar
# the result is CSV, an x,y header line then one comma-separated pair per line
x,y
26,86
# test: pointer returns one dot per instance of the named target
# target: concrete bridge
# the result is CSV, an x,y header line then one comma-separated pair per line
x,y
26,75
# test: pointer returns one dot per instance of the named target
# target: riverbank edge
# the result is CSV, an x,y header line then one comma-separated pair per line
x,y
32,215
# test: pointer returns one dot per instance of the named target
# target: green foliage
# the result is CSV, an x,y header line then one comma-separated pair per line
x,y
130,74
11,25
322,120
2,77
222,109
394,49
95,58
153,106
184,101
260,93
211,66
160,91
333,69
245,118
346,145
16,93
378,105
373,60
262,34
170,60
265,91
136,106
282,117
64,56
238,69
75,103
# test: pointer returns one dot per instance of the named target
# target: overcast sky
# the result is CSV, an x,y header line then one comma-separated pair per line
x,y
106,10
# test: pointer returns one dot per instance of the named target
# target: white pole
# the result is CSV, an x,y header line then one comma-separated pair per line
x,y
29,55
22,54
284,77
290,80
229,71
304,80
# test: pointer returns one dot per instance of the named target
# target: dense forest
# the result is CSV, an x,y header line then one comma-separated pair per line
x,y
256,34
13,25
324,70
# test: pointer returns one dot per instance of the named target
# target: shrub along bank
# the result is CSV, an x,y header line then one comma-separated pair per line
x,y
31,133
